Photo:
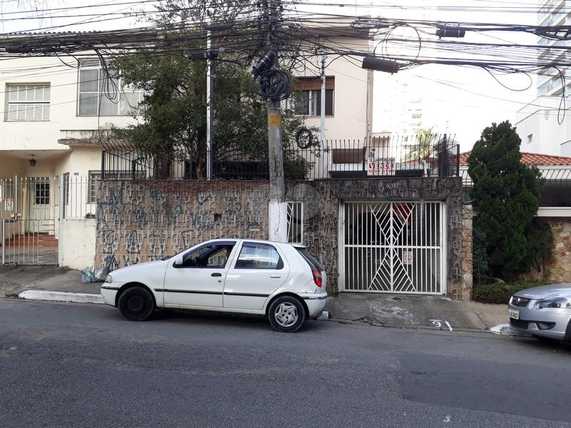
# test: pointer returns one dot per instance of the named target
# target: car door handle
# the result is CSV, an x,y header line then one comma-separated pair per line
x,y
216,274
275,276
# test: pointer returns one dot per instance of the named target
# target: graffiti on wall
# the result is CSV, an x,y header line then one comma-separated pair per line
x,y
139,222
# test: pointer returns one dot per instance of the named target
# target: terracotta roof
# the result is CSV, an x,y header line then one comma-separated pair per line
x,y
536,159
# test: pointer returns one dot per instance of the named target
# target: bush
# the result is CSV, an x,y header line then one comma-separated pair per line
x,y
499,292
508,241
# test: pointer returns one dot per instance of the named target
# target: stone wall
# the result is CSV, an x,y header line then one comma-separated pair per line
x,y
558,268
321,205
139,221
148,220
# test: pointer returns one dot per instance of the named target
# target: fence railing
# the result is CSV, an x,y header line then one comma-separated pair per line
x,y
67,196
79,196
433,156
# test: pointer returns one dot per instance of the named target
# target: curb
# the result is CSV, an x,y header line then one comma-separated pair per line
x,y
61,296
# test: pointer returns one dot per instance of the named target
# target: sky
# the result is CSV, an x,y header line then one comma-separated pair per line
x,y
461,101
457,100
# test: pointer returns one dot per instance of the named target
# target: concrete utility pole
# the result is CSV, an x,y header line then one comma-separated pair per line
x,y
277,209
210,77
323,88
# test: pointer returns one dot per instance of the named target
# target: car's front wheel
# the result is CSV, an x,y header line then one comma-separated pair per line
x,y
286,314
136,304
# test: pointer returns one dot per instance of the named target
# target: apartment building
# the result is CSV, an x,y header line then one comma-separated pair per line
x,y
542,124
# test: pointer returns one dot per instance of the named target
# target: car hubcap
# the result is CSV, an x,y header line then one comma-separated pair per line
x,y
286,314
135,304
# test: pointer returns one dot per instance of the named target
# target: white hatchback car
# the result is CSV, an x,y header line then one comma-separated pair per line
x,y
279,280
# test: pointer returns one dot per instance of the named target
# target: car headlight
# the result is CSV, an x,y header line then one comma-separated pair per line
x,y
557,303
108,278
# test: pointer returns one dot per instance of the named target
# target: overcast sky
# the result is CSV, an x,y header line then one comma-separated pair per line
x,y
461,101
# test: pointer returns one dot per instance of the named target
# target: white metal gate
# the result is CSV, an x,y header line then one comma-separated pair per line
x,y
393,247
28,220
33,211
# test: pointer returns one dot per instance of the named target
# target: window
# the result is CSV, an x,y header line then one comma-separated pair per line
x,y
29,102
259,256
311,259
92,180
308,103
42,193
101,95
209,256
307,96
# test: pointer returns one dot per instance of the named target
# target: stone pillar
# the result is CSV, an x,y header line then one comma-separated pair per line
x,y
467,253
558,268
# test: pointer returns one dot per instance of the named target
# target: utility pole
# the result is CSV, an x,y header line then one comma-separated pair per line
x,y
324,159
323,87
210,78
277,209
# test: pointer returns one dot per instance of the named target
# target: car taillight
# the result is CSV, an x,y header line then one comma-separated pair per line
x,y
317,278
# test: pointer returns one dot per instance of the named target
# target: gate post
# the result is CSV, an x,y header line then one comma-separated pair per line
x,y
341,248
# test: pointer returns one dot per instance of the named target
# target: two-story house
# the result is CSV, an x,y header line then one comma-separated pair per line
x,y
51,159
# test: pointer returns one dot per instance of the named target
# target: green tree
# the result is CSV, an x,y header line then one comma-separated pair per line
x,y
506,196
173,112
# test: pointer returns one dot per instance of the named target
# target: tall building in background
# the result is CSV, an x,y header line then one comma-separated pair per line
x,y
541,124
404,111
553,13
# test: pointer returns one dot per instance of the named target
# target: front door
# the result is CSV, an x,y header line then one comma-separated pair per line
x,y
199,280
40,218
258,271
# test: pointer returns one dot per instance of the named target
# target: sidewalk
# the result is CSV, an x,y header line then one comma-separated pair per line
x,y
416,311
16,279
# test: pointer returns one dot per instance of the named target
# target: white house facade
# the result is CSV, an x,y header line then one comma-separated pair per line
x,y
50,157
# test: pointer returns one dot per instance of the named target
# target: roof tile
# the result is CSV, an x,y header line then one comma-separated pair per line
x,y
536,159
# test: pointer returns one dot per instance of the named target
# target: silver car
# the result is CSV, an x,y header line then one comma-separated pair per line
x,y
543,311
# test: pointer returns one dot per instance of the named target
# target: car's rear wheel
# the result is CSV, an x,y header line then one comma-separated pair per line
x,y
286,314
136,304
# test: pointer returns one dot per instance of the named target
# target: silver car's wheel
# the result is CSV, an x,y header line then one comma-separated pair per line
x,y
286,314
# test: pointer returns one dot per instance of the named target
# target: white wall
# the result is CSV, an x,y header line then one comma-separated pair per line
x,y
10,166
63,105
352,95
80,160
77,243
539,129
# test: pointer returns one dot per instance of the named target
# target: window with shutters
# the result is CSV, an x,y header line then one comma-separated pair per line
x,y
27,102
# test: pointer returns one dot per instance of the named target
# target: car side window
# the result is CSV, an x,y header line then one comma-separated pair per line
x,y
255,255
209,256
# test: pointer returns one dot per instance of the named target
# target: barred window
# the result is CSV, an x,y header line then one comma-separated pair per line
x,y
42,193
27,102
93,178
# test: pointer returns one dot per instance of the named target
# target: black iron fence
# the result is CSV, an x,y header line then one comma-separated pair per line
x,y
436,156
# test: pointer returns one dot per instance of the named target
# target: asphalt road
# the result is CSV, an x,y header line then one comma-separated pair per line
x,y
70,365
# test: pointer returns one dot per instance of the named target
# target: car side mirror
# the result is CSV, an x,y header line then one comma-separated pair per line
x,y
178,261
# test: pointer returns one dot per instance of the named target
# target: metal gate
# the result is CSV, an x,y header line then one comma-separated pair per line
x,y
28,220
393,247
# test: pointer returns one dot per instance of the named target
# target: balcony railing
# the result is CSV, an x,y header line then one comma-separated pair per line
x,y
433,156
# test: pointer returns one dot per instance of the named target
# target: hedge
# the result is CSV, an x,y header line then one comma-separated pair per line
x,y
499,292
